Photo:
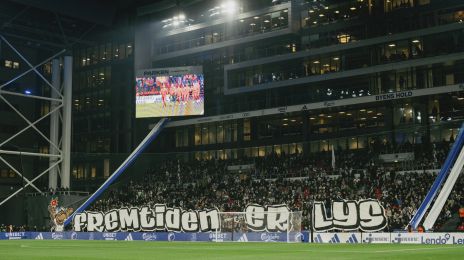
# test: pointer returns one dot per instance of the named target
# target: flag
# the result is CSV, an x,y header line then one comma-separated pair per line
x,y
333,157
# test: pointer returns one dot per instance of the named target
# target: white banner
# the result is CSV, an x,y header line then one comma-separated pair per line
x,y
366,215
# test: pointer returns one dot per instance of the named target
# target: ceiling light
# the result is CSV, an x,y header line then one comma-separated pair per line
x,y
415,41
352,8
391,45
316,62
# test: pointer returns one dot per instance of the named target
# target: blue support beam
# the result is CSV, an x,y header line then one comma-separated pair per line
x,y
452,155
142,146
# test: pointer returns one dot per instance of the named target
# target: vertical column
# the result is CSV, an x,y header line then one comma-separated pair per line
x,y
67,106
54,124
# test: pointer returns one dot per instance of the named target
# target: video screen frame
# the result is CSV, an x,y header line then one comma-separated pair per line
x,y
169,92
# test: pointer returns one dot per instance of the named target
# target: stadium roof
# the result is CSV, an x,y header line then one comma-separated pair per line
x,y
53,24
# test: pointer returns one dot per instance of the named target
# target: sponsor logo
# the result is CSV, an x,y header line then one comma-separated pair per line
x,y
129,237
440,240
269,237
39,236
57,236
14,235
318,239
217,236
335,239
299,237
171,236
352,239
391,96
73,236
243,238
407,239
377,239
149,236
109,236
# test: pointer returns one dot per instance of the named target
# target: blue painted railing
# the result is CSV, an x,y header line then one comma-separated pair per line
x,y
142,146
452,155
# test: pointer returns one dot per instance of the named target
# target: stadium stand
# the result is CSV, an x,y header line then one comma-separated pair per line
x,y
293,180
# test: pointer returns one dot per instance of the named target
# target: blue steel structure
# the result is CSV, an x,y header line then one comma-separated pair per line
x,y
142,146
444,172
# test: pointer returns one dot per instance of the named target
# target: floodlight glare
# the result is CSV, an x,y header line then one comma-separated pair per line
x,y
229,7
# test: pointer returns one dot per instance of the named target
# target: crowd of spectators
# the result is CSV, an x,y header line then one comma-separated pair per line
x,y
274,180
295,180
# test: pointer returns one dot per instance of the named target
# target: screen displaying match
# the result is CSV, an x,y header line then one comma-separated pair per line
x,y
169,92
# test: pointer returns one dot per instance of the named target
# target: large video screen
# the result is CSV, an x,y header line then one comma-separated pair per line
x,y
169,92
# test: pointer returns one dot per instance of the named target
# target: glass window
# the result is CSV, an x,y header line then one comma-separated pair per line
x,y
204,135
220,133
197,135
353,143
246,130
8,64
212,133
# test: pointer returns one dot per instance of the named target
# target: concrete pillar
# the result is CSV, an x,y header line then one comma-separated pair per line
x,y
54,124
67,109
